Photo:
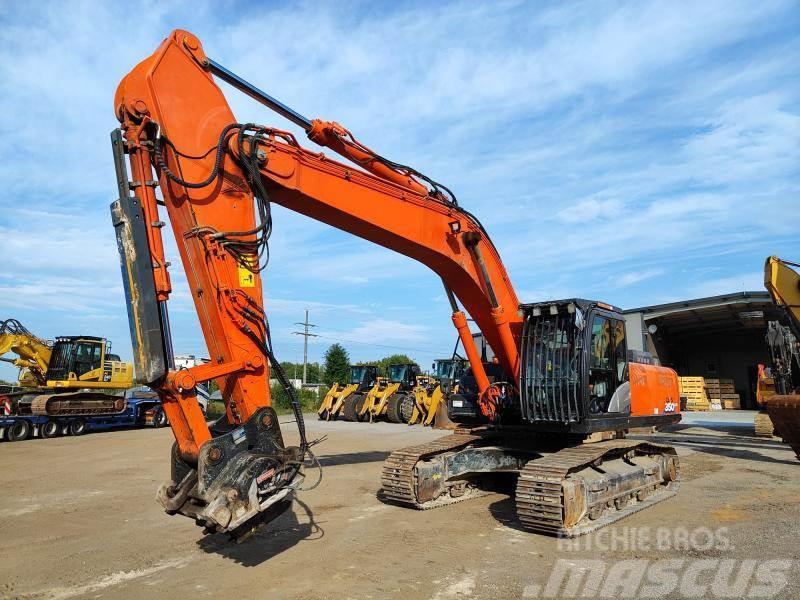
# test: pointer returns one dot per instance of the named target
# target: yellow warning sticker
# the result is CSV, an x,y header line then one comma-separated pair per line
x,y
246,278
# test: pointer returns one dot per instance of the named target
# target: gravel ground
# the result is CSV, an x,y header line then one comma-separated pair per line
x,y
79,520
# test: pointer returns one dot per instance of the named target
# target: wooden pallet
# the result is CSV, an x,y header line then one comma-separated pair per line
x,y
694,390
717,389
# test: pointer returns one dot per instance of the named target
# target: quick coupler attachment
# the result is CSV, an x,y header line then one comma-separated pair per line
x,y
245,478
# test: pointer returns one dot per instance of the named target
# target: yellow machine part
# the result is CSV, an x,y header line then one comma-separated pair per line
x,y
372,398
327,402
783,284
425,404
112,374
378,403
334,399
338,402
33,356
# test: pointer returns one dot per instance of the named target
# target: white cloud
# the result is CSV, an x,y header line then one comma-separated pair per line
x,y
634,277
386,331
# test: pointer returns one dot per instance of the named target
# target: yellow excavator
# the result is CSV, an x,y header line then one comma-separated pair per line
x,y
60,377
783,283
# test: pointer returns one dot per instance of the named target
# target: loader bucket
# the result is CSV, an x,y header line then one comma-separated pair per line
x,y
785,414
442,419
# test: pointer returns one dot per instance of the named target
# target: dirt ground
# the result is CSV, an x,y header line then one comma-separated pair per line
x,y
78,519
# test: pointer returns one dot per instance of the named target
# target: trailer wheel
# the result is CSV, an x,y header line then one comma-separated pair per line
x,y
49,430
160,418
19,431
77,427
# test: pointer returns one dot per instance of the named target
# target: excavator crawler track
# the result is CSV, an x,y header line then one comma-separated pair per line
x,y
399,477
553,498
77,404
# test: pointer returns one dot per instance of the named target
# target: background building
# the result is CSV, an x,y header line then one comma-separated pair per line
x,y
716,337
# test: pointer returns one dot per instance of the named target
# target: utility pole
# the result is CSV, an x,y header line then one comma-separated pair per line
x,y
305,335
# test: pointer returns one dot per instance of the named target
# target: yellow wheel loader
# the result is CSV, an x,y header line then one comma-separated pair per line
x,y
366,404
430,396
396,401
362,379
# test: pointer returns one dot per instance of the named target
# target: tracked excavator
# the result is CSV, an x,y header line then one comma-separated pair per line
x,y
65,377
783,284
562,374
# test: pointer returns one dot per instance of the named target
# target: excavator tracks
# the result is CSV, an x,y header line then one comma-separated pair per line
x,y
399,477
580,489
77,404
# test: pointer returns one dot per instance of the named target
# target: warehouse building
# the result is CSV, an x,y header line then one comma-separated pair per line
x,y
720,337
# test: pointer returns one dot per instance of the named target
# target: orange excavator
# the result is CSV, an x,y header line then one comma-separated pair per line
x,y
561,379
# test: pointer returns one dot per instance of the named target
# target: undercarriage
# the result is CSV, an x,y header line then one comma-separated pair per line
x,y
563,488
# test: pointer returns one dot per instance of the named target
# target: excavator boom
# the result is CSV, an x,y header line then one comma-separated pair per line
x,y
33,353
218,178
216,175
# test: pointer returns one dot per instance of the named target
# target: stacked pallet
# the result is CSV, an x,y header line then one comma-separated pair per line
x,y
722,394
693,389
763,425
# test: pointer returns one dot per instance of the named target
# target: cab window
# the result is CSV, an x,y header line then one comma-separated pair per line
x,y
608,364
87,358
620,352
601,377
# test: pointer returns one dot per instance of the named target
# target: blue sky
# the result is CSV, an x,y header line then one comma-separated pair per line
x,y
636,152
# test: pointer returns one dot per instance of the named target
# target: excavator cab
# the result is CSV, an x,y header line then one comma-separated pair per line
x,y
85,361
575,375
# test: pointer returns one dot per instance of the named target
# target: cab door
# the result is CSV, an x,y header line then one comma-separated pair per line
x,y
607,389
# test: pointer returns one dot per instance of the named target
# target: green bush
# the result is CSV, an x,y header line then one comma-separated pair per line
x,y
309,399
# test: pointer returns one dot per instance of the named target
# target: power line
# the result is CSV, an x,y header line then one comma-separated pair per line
x,y
305,335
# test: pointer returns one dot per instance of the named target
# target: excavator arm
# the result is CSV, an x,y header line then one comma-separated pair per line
x,y
33,353
783,284
216,177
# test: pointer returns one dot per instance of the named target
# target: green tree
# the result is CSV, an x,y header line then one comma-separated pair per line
x,y
393,359
337,365
295,371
